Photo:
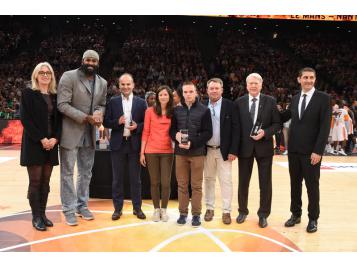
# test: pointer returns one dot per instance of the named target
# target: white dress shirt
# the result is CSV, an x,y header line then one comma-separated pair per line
x,y
256,105
308,98
127,104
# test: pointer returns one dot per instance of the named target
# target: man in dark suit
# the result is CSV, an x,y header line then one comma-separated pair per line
x,y
125,116
310,113
221,151
258,110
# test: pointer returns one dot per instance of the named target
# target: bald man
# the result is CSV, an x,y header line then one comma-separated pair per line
x,y
125,116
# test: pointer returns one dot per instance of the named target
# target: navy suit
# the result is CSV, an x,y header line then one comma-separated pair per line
x,y
125,151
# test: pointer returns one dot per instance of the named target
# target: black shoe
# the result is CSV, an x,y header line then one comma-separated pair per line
x,y
196,221
139,214
312,226
263,222
182,219
241,218
38,223
116,215
292,221
46,221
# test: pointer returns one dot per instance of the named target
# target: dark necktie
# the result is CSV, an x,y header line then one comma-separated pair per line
x,y
303,105
252,109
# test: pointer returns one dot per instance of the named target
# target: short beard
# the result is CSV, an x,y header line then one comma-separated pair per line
x,y
88,71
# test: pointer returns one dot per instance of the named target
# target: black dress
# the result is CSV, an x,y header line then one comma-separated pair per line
x,y
40,119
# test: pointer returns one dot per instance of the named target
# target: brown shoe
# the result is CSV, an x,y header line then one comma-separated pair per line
x,y
226,218
209,214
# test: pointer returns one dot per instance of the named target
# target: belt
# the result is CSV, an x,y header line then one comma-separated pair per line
x,y
213,147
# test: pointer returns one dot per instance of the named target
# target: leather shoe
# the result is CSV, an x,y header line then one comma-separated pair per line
x,y
292,221
139,214
209,214
226,218
116,215
312,226
47,222
241,218
38,223
263,222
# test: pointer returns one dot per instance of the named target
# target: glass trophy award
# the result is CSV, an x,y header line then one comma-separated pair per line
x,y
257,126
184,136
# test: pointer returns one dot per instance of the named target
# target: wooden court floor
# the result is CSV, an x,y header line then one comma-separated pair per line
x,y
337,224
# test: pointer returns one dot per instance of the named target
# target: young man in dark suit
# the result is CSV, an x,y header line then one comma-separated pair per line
x,y
258,120
125,116
310,113
221,151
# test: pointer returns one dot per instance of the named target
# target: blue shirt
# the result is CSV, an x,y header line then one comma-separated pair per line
x,y
216,127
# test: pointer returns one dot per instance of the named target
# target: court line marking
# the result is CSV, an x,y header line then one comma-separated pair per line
x,y
202,230
178,236
8,146
215,239
75,234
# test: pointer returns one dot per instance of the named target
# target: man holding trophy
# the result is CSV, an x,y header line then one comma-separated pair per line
x,y
81,98
258,120
191,128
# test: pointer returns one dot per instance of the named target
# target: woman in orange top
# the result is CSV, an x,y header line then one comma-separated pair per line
x,y
156,150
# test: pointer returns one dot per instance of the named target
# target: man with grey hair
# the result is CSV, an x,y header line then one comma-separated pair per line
x,y
221,151
81,98
258,120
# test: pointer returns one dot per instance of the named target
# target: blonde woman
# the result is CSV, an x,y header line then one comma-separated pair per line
x,y
39,148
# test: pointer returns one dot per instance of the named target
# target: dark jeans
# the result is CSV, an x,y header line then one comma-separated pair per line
x,y
120,158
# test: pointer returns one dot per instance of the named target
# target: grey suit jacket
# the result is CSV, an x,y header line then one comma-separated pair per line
x,y
74,98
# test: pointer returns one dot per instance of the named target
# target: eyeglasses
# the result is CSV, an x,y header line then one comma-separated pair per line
x,y
44,73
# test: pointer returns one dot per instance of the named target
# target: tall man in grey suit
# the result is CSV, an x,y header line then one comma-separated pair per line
x,y
81,97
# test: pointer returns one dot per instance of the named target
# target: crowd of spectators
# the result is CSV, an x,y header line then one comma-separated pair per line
x,y
63,51
165,55
333,57
161,56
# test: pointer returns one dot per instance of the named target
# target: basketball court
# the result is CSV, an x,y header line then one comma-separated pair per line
x,y
336,229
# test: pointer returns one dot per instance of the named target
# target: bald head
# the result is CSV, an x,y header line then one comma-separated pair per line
x,y
126,84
